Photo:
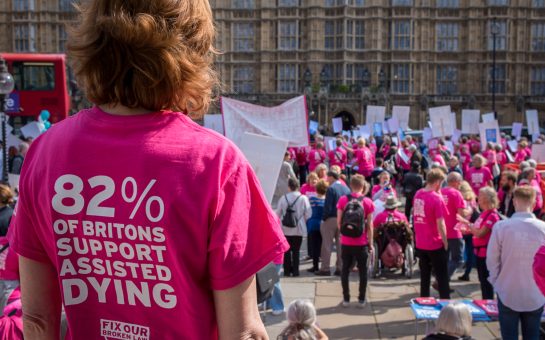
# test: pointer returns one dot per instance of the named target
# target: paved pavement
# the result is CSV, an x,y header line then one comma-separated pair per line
x,y
386,316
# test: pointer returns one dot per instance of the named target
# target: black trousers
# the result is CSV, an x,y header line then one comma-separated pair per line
x,y
303,172
291,257
436,260
358,254
408,205
486,287
315,242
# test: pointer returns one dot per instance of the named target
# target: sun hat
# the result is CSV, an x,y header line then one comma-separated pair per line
x,y
391,203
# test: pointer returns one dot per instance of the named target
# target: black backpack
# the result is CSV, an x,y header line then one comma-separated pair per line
x,y
353,219
289,220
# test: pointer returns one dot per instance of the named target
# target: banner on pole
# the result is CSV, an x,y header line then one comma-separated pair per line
x,y
287,121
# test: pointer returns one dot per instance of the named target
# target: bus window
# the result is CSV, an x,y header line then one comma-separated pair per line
x,y
34,76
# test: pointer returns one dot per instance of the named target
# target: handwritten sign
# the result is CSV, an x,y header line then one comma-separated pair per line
x,y
287,121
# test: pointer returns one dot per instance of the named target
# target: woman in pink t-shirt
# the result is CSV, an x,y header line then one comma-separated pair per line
x,y
309,188
142,223
321,171
384,149
482,230
316,156
479,175
356,249
364,159
384,188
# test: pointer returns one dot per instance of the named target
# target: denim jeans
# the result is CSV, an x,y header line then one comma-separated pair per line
x,y
455,249
509,323
276,301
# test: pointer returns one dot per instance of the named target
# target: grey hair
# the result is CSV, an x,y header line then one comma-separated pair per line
x,y
301,317
454,177
455,319
532,163
524,165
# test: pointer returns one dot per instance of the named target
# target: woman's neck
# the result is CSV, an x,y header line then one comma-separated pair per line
x,y
123,110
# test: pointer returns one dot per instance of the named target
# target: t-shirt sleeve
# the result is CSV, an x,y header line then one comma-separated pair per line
x,y
491,221
368,206
342,203
245,234
440,208
23,235
461,203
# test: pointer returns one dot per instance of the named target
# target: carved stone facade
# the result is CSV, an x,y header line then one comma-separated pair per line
x,y
419,53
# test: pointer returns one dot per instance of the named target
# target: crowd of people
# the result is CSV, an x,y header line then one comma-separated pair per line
x,y
464,204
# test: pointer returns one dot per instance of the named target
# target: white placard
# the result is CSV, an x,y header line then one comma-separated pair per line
x,y
13,141
375,114
265,154
287,121
214,122
470,121
330,143
393,125
488,117
32,129
346,134
13,181
490,132
453,118
532,122
441,121
337,124
356,134
516,131
513,145
395,140
450,146
426,135
456,136
402,114
365,131
538,153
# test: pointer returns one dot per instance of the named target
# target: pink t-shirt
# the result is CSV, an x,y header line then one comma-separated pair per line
x,y
315,158
142,217
383,217
437,158
384,150
9,261
520,156
365,161
301,155
338,157
478,178
368,208
428,207
491,158
454,201
486,219
501,157
308,190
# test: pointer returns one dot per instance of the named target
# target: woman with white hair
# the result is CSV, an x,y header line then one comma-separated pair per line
x,y
454,323
301,317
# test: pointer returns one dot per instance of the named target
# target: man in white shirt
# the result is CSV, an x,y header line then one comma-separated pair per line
x,y
509,259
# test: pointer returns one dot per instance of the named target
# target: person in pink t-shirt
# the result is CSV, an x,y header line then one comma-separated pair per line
x,y
521,155
501,156
142,223
309,188
384,188
490,155
455,205
479,175
482,230
338,156
385,147
390,213
364,159
316,156
356,248
429,211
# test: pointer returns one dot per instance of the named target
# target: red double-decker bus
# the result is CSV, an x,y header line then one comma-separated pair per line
x,y
40,84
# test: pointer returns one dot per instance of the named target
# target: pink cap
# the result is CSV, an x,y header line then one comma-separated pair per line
x,y
539,269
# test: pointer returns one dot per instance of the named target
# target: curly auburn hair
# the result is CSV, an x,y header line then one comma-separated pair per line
x,y
155,55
